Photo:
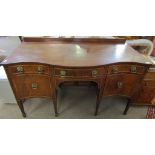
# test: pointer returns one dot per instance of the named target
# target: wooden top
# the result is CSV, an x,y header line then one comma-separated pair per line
x,y
75,54
74,40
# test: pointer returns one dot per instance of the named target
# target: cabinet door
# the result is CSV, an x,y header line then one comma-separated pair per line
x,y
32,86
147,93
122,84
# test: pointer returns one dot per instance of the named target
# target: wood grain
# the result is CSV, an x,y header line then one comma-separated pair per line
x,y
37,69
75,55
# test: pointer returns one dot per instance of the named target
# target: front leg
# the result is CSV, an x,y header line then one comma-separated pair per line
x,y
98,100
20,104
127,107
55,103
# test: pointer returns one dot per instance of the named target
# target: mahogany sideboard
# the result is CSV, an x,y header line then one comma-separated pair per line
x,y
36,69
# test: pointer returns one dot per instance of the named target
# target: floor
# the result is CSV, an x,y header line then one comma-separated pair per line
x,y
73,102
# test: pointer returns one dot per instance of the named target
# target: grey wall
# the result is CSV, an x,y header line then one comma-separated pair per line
x,y
8,44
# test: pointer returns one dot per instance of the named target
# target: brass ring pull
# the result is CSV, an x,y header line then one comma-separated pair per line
x,y
20,69
94,73
133,69
115,70
119,85
40,69
62,73
34,85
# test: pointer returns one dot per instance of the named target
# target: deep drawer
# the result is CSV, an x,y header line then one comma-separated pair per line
x,y
32,86
122,84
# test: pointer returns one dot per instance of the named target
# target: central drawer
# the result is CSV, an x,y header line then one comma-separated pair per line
x,y
83,72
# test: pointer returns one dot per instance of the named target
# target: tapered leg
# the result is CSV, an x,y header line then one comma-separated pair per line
x,y
55,108
97,102
127,107
20,104
55,103
21,39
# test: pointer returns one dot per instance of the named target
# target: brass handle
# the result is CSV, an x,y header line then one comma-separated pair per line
x,y
34,85
62,73
133,69
94,73
20,69
119,85
40,69
115,70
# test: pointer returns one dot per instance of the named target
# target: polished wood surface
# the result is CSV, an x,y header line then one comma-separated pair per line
x,y
102,40
75,55
40,68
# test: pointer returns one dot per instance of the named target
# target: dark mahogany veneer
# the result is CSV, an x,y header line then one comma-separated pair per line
x,y
37,67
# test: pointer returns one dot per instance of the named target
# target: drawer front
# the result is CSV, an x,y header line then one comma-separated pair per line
x,y
149,83
122,84
134,69
65,72
150,75
29,69
32,86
